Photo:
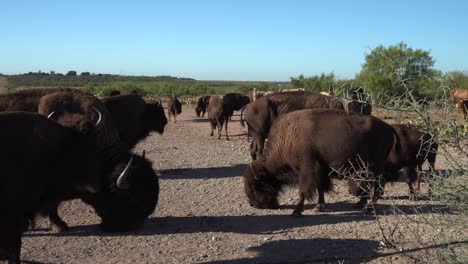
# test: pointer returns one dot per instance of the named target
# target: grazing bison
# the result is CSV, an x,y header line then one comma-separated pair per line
x,y
44,163
218,115
79,110
415,148
306,146
174,108
261,114
202,105
135,118
234,102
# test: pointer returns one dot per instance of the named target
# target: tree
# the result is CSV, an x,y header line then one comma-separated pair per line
x,y
386,69
85,74
71,73
316,83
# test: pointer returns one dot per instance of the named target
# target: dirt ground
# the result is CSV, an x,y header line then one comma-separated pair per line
x,y
203,215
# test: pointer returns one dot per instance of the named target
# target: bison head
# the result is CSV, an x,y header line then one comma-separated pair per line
x,y
261,188
71,110
126,203
154,116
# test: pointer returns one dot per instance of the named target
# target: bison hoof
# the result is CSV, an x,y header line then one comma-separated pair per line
x,y
60,228
296,213
370,210
318,208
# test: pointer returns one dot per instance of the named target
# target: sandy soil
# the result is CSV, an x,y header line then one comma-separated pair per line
x,y
203,215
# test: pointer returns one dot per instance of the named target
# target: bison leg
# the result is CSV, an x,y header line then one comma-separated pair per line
x,y
226,129
321,201
299,206
56,223
220,128
10,241
411,177
213,126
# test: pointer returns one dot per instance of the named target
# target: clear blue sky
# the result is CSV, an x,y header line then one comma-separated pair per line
x,y
224,39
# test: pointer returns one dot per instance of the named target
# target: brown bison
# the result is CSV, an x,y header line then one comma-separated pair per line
x,y
458,94
415,148
358,103
306,146
79,110
261,114
218,116
234,102
135,118
202,105
174,108
44,163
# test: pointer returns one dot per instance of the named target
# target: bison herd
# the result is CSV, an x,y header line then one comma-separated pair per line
x,y
61,144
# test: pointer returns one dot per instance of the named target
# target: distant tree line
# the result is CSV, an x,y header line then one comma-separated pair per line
x,y
389,71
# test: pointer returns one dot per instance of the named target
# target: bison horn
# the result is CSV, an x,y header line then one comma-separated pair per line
x,y
122,181
99,116
253,172
51,114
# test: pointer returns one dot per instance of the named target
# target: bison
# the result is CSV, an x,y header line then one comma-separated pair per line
x,y
234,102
415,148
78,109
306,146
458,94
202,104
174,108
218,115
260,114
135,118
44,163
358,103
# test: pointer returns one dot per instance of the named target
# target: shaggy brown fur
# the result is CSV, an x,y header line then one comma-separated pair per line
x,y
75,108
415,148
174,108
306,146
135,118
235,102
458,95
261,114
42,162
217,116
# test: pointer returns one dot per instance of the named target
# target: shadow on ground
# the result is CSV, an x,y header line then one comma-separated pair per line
x,y
247,224
202,173
320,250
